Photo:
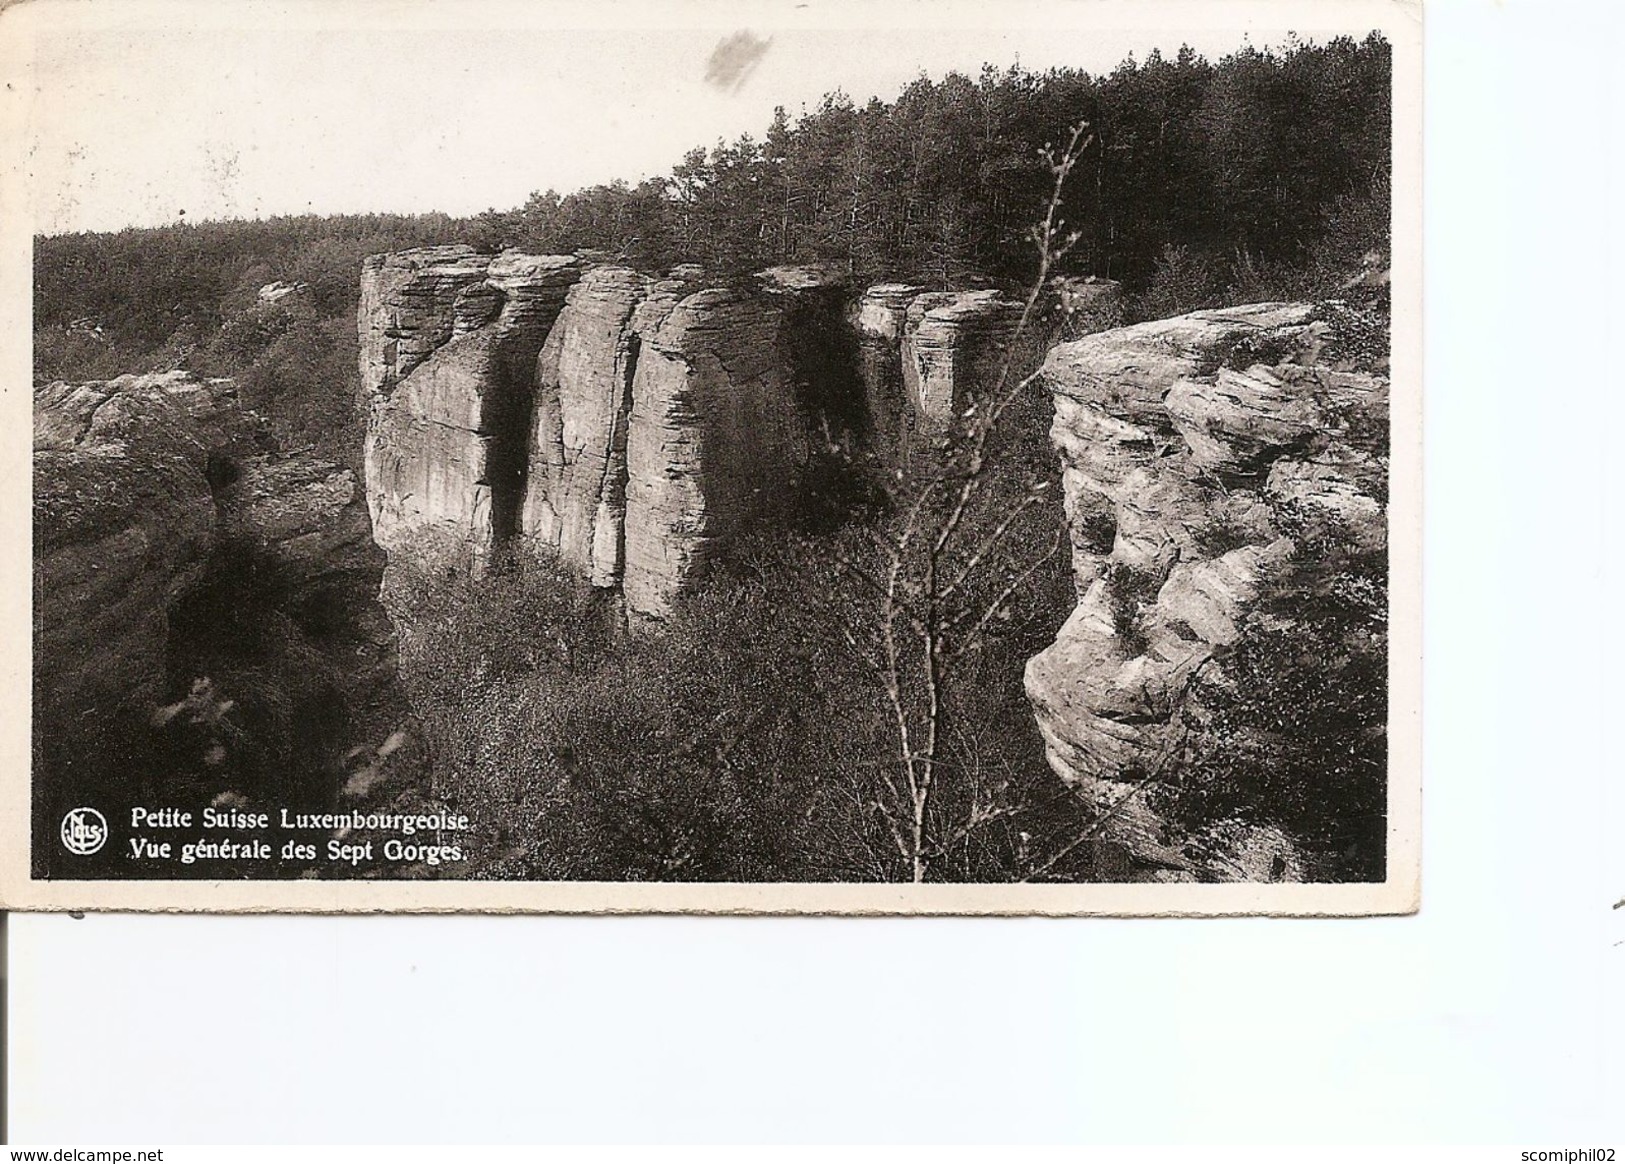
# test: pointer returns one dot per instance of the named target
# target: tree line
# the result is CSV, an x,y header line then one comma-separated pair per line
x,y
1201,174
1244,160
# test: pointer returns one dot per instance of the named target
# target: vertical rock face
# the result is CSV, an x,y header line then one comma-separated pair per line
x,y
1177,440
449,340
624,424
407,309
714,435
953,347
819,349
575,494
879,320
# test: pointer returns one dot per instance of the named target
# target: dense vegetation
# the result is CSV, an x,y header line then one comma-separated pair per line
x,y
1240,161
585,752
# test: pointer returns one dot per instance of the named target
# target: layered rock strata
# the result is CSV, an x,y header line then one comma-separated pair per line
x,y
879,318
449,341
636,423
124,522
1179,440
715,433
631,425
575,487
954,346
138,482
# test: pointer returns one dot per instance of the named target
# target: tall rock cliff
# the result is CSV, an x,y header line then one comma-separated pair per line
x,y
1183,442
575,488
625,424
449,341
631,425
715,436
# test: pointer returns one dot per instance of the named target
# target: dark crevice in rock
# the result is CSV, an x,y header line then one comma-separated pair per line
x,y
825,365
612,499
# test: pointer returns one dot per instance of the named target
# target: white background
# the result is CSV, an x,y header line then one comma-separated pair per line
x,y
1490,1017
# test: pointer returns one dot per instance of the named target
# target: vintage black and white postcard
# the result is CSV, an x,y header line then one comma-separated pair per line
x,y
824,457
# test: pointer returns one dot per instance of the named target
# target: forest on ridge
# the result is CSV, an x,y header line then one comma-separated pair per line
x,y
1261,175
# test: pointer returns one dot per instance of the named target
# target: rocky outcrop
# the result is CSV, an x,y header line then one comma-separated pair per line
x,y
575,490
139,484
124,523
715,433
1088,304
954,347
282,290
666,418
207,623
1179,441
628,425
818,347
308,518
449,341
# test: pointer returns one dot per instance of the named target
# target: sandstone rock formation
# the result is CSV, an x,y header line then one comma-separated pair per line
x,y
1178,440
715,433
449,340
407,309
628,425
879,318
124,523
575,488
138,483
281,289
955,345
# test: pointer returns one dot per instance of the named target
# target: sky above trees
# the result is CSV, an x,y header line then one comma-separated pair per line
x,y
246,111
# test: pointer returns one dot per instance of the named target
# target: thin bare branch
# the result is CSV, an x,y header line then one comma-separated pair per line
x,y
1015,584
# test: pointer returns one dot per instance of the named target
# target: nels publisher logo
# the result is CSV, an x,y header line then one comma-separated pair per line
x,y
84,830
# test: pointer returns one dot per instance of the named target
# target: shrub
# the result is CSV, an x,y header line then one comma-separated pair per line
x,y
1291,730
1183,280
